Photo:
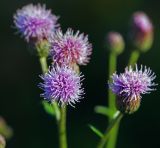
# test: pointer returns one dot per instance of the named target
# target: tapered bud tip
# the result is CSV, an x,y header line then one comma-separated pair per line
x,y
141,33
115,42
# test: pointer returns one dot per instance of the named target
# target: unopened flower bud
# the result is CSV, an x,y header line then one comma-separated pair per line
x,y
42,48
115,42
2,142
141,31
128,105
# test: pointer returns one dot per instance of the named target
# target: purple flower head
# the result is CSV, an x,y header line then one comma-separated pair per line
x,y
34,22
141,22
141,31
70,48
63,85
130,85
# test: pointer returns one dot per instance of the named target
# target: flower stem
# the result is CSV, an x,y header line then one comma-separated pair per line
x,y
112,69
116,119
57,111
113,135
134,57
62,129
43,62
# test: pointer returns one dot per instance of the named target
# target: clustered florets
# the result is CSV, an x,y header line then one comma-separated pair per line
x,y
133,83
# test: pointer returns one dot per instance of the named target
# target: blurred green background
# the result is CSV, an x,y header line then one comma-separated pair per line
x,y
20,103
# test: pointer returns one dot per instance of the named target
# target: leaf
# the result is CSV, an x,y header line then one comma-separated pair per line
x,y
48,108
96,131
104,111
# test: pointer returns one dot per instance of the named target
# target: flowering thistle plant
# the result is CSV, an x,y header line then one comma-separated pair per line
x,y
62,85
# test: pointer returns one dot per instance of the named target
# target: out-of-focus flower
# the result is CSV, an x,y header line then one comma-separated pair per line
x,y
130,85
115,42
141,31
63,85
2,142
70,48
35,22
5,130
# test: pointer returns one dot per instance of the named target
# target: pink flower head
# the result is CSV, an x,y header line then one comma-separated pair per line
x,y
70,48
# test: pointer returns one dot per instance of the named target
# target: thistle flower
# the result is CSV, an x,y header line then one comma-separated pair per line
x,y
70,48
63,85
130,85
35,22
141,31
115,42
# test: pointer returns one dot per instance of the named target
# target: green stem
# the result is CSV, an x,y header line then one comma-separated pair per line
x,y
57,111
134,57
113,136
43,62
62,129
112,105
111,126
112,69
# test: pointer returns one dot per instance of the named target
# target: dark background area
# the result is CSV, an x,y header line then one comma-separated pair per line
x,y
20,103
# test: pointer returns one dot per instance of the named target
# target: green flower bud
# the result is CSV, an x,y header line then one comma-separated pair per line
x,y
43,48
115,42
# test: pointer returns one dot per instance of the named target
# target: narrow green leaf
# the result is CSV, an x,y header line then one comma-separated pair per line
x,y
104,111
48,108
96,131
